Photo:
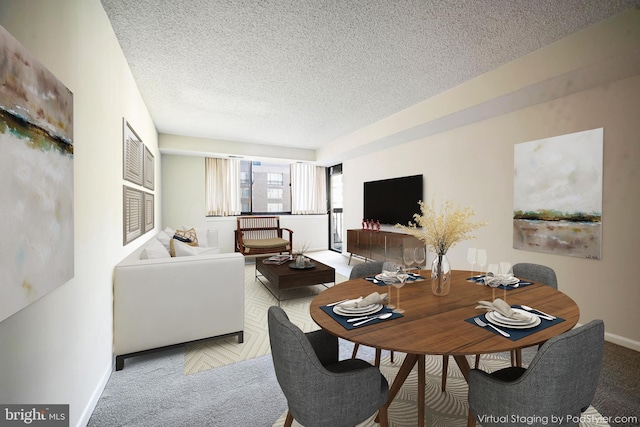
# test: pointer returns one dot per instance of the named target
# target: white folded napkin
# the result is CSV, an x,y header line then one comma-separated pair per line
x,y
503,308
388,273
374,298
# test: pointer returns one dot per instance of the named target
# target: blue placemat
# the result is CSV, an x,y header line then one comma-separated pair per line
x,y
516,334
480,280
343,320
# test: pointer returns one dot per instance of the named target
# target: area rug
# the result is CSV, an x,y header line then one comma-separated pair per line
x,y
215,353
441,409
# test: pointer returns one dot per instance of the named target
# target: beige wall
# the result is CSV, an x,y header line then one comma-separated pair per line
x,y
473,165
59,349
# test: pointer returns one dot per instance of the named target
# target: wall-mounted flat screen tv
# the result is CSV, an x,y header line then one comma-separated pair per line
x,y
392,201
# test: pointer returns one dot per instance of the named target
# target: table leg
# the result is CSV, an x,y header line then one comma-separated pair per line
x,y
463,364
421,387
408,364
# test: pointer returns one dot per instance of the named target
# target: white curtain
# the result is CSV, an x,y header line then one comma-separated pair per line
x,y
222,187
308,189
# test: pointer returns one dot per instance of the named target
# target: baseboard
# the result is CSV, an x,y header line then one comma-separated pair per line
x,y
622,341
93,401
617,339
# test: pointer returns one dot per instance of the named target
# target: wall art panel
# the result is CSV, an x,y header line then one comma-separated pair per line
x,y
36,179
558,195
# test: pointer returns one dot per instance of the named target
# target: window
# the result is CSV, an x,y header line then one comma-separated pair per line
x,y
274,207
265,187
275,193
274,178
235,187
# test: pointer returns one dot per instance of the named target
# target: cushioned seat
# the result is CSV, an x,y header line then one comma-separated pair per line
x,y
272,243
320,390
557,386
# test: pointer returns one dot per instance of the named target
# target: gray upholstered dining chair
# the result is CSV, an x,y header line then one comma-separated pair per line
x,y
537,273
320,390
560,382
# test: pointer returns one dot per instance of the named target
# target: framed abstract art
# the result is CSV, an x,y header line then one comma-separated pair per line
x,y
557,194
36,178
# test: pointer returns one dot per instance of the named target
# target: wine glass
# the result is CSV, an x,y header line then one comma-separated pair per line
x,y
505,268
491,278
402,278
390,280
506,273
481,258
408,257
420,255
471,258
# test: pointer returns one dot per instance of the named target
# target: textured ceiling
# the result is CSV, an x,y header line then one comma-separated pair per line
x,y
302,73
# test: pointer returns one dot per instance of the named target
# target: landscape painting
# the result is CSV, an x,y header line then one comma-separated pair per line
x,y
36,179
557,195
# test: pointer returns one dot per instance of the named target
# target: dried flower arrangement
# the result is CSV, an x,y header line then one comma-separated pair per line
x,y
441,230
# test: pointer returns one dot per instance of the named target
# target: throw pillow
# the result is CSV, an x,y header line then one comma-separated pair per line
x,y
206,238
154,249
165,239
187,236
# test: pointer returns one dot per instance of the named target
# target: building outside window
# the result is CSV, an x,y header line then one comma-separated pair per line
x,y
274,207
266,187
275,193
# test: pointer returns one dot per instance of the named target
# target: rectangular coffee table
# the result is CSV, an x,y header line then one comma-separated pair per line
x,y
283,277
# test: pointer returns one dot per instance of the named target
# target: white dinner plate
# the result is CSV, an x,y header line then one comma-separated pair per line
x,y
374,308
491,319
530,318
385,278
356,310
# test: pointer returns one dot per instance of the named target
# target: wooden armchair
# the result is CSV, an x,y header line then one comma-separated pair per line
x,y
257,235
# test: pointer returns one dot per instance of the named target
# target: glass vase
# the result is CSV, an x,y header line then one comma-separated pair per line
x,y
440,276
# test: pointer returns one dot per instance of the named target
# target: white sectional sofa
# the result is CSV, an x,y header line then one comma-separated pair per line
x,y
167,301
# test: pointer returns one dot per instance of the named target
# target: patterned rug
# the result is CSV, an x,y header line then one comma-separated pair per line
x,y
215,353
441,409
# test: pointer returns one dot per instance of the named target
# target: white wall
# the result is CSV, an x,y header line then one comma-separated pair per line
x,y
183,205
473,165
58,349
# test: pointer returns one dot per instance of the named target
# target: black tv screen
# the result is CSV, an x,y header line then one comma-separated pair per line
x,y
392,201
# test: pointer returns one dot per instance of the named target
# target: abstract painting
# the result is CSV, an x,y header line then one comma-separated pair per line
x,y
557,195
36,179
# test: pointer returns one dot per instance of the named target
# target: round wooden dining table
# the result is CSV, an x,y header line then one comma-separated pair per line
x,y
436,325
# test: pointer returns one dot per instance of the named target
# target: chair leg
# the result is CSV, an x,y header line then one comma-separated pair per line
x,y
289,420
477,361
471,420
445,366
355,350
391,356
